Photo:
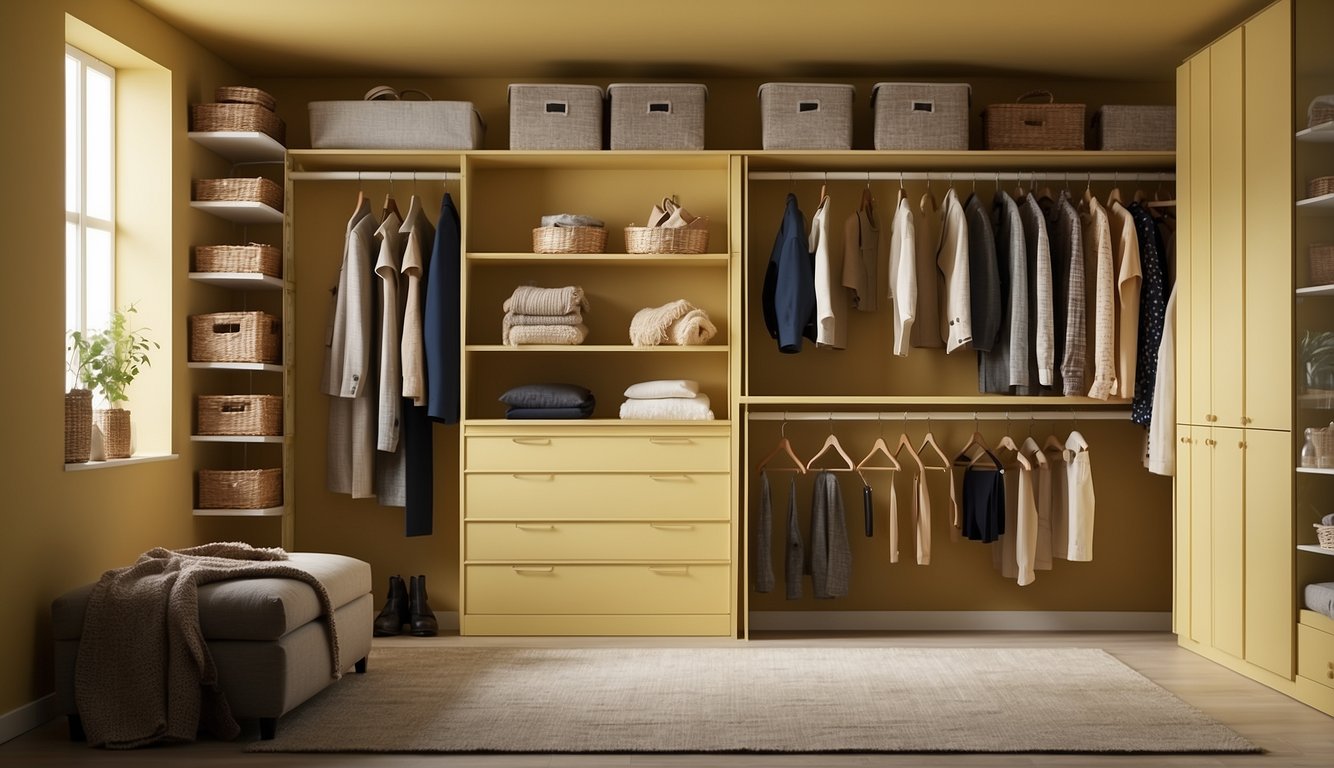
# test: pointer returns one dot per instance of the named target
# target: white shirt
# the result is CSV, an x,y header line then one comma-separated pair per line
x,y
956,321
1125,249
1079,479
1161,457
831,301
1098,244
903,274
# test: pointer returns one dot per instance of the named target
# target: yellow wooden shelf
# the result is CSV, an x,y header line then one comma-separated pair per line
x,y
373,160
973,160
577,348
265,512
600,259
962,401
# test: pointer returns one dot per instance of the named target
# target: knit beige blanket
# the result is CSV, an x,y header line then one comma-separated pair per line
x,y
546,334
678,322
531,300
144,673
512,319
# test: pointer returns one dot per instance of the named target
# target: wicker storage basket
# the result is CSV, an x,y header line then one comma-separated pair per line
x,y
114,424
243,94
1320,186
569,239
806,115
255,257
1030,126
657,115
1324,536
238,117
555,116
235,337
1135,129
256,190
239,415
78,425
1321,111
666,240
1320,263
921,115
240,489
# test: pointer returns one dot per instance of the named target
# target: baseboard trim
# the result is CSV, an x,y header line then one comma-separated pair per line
x,y
448,620
942,621
17,722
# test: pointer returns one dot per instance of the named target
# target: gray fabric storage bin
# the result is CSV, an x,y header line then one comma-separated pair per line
x,y
552,116
395,125
1133,128
657,115
921,115
806,115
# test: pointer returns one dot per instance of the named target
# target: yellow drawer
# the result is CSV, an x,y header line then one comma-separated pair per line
x,y
597,588
647,496
1315,655
646,452
638,625
597,541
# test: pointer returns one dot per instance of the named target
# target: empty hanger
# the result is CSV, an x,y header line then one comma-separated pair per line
x,y
832,442
904,442
929,441
783,447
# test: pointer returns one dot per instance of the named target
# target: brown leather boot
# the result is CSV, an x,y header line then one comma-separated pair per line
x,y
422,621
394,614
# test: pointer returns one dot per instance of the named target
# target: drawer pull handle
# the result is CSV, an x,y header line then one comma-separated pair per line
x,y
546,477
671,441
672,526
525,570
531,440
674,570
683,478
534,527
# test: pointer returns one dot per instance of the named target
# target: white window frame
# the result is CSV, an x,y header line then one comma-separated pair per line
x,y
77,263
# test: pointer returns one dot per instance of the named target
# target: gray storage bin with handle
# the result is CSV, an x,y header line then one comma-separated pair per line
x,y
554,116
1120,127
384,120
806,115
657,115
921,115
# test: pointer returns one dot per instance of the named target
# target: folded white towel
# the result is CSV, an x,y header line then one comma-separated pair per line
x,y
668,409
532,300
546,334
661,388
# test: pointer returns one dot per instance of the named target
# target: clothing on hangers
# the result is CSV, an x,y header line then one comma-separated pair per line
x,y
1042,486
441,330
419,473
1098,245
1006,365
986,302
1079,486
926,241
1054,449
1070,297
903,274
956,319
861,256
794,562
1015,549
761,559
1160,440
1152,312
1125,249
390,459
788,296
830,563
1037,251
831,301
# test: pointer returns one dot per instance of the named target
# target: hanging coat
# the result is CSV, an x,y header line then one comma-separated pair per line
x,y
442,323
390,478
788,296
416,433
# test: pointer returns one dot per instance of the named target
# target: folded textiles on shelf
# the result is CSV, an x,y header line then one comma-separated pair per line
x,y
548,401
570,220
545,334
532,300
511,320
577,412
668,408
662,388
671,215
678,322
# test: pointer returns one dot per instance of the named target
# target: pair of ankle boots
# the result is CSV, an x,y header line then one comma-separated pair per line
x,y
406,606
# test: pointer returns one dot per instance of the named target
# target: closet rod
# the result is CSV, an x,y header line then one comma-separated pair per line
x,y
374,175
1120,414
958,176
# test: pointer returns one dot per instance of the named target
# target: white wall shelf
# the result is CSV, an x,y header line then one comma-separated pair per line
x,y
269,367
1315,470
237,438
1316,549
265,512
240,211
1322,205
239,281
1316,290
1323,133
240,146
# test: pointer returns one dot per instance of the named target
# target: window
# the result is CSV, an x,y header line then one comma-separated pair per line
x,y
90,174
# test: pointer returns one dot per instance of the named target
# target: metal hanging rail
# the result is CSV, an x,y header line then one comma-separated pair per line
x,y
1120,414
374,175
959,175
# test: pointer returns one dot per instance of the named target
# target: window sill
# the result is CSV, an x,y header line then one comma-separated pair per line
x,y
143,458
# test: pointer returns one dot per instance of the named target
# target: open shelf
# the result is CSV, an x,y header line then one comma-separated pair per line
x,y
269,367
242,281
1320,133
988,402
600,259
1316,290
237,438
1323,205
575,348
1319,550
240,211
1315,470
265,512
240,145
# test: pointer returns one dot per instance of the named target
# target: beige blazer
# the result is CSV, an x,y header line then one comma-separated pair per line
x,y
1125,249
956,321
420,236
903,274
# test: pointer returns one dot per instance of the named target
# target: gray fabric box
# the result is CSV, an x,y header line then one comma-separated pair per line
x,y
395,125
1132,128
657,115
555,116
806,115
921,115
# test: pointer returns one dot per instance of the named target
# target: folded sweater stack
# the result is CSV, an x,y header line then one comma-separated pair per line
x,y
548,401
666,399
544,316
678,322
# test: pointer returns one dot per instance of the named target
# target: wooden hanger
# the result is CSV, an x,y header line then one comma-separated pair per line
x,y
930,442
882,448
784,447
868,199
1007,443
1031,448
978,442
904,442
832,442
390,207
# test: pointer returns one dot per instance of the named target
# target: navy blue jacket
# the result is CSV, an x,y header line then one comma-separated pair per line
x,y
440,331
788,298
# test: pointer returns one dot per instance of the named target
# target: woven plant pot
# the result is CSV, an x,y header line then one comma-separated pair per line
x,y
78,425
114,423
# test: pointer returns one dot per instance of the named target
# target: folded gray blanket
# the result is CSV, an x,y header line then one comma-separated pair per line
x,y
570,220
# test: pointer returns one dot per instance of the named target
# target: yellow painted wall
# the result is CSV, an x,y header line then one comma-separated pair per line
x,y
64,528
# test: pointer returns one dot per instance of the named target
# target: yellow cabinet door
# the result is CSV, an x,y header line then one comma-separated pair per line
x,y
1181,533
1200,561
1194,311
1269,206
1227,227
1185,213
1269,550
1227,546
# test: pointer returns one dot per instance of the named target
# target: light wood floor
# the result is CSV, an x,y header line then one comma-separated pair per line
x,y
1291,733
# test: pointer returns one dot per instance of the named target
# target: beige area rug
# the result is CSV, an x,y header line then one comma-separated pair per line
x,y
748,700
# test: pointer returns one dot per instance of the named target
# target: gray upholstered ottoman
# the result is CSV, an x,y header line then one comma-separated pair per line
x,y
268,643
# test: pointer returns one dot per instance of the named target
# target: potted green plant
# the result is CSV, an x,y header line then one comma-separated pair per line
x,y
106,362
1317,353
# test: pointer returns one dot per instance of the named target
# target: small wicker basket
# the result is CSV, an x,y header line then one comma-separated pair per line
x,y
666,240
239,414
256,190
569,239
1324,536
240,489
242,94
1320,263
78,425
238,117
1034,126
235,337
255,257
1320,186
1321,111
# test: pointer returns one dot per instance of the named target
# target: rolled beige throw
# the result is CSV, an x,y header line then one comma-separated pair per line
x,y
652,326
